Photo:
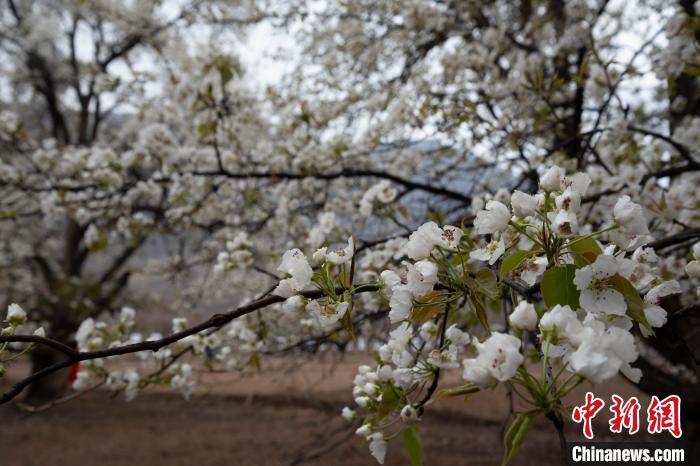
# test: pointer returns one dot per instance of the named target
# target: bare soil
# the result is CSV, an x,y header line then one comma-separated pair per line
x,y
287,414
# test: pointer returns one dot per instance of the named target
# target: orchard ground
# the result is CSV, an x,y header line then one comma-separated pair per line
x,y
288,413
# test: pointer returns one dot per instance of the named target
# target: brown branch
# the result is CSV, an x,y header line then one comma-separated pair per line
x,y
345,173
680,148
55,344
215,321
687,235
59,401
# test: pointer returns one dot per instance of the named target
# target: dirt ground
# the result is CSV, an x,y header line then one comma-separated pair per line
x,y
286,415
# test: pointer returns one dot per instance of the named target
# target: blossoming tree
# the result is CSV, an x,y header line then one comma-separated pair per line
x,y
462,187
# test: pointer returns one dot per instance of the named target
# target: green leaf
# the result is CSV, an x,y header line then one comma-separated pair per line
x,y
428,306
463,390
512,262
635,303
411,438
225,66
254,361
488,282
206,128
516,435
390,401
460,258
558,287
585,251
346,320
99,245
480,312
692,70
344,279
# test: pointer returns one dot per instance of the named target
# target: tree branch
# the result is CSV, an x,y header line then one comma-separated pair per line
x,y
215,321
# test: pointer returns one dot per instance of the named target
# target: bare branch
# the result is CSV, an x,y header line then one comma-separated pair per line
x,y
215,321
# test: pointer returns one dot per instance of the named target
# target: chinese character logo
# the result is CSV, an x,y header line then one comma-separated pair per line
x,y
587,412
624,415
665,415
662,415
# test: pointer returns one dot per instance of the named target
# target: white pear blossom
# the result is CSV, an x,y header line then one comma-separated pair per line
x,y
400,304
551,180
445,358
597,294
428,332
179,324
325,224
363,402
319,256
294,304
523,204
692,268
577,183
498,360
427,236
383,192
564,223
409,415
493,219
450,237
523,316
349,414
83,334
630,217
569,200
404,377
390,279
655,314
645,256
327,314
423,240
377,446
489,253
604,353
293,263
342,255
421,277
81,382
562,320
531,269
457,336
132,379
15,315
126,317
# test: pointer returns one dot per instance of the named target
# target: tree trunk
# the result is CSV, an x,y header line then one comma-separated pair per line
x,y
53,385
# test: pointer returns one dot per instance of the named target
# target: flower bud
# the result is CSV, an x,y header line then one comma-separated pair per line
x,y
693,269
524,316
16,315
551,180
320,255
409,414
364,430
348,414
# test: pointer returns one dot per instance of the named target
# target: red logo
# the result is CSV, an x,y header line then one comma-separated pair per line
x,y
661,415
624,415
665,415
587,412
